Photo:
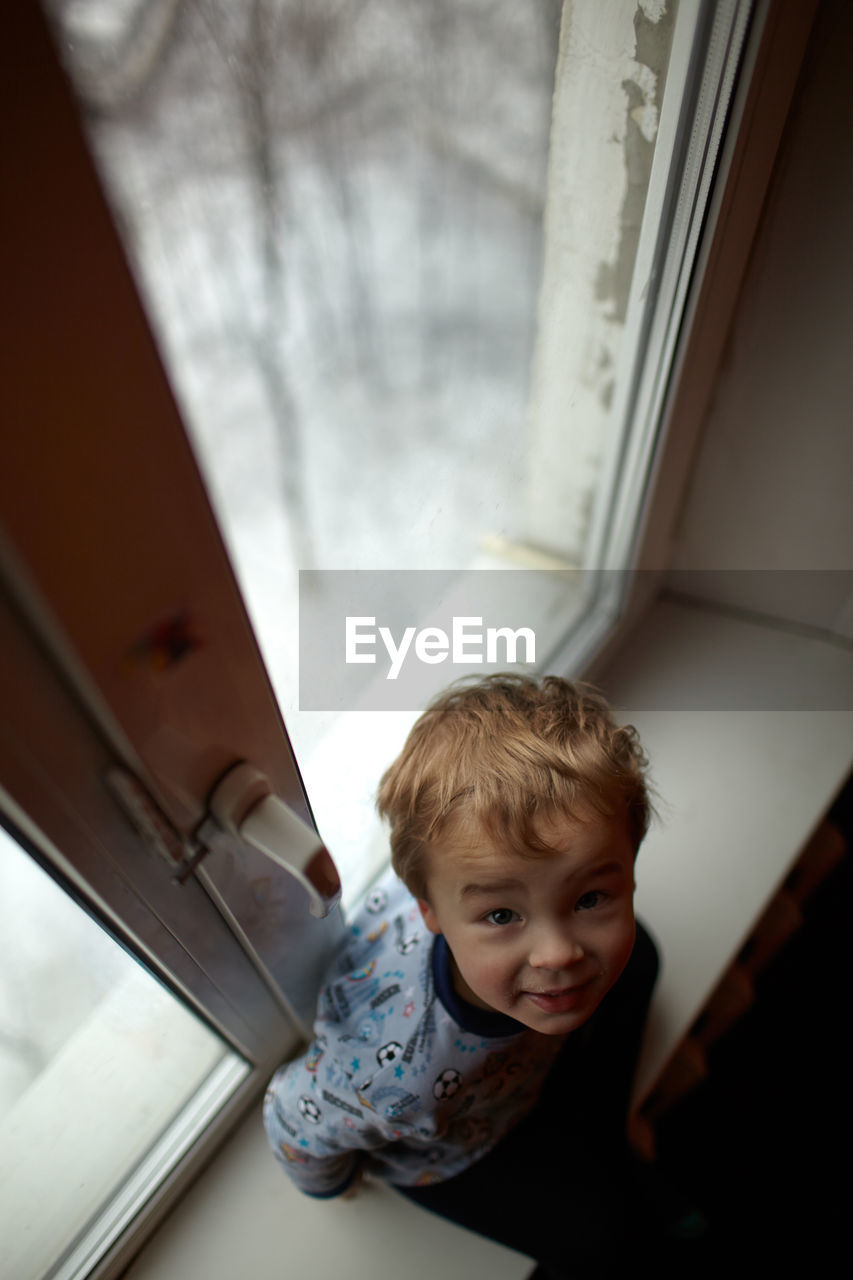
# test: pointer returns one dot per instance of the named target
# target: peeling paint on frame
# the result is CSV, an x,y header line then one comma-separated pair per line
x,y
644,91
611,77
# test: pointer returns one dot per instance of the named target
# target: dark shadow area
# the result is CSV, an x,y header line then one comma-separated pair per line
x,y
761,1144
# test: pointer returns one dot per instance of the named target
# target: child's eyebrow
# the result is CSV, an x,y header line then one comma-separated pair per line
x,y
505,884
490,886
605,869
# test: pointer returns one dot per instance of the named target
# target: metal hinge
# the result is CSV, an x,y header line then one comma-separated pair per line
x,y
243,807
156,829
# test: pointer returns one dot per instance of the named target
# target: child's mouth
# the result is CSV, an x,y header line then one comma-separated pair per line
x,y
559,1001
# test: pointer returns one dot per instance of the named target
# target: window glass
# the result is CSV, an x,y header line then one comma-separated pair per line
x,y
389,253
97,1062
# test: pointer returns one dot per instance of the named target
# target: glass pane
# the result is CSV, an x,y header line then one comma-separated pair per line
x,y
336,215
97,1061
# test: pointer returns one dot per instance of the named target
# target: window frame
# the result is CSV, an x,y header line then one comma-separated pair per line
x,y
105,534
64,232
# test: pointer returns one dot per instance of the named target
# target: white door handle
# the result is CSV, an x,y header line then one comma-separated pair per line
x,y
242,804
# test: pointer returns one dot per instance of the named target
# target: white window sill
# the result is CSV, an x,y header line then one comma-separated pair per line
x,y
743,781
742,790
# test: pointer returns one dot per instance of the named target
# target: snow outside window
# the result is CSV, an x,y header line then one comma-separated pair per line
x,y
399,260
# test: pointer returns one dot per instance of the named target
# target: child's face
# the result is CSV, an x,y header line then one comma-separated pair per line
x,y
542,939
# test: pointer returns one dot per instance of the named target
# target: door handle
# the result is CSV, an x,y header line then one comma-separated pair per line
x,y
242,803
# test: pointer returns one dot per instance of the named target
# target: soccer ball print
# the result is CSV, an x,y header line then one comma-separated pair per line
x,y
448,1083
309,1109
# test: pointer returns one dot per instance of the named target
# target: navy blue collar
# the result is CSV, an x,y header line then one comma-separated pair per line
x,y
480,1022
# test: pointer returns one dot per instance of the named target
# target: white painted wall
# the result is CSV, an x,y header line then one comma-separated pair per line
x,y
772,486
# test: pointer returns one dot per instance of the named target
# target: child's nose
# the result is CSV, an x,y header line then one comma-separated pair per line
x,y
555,947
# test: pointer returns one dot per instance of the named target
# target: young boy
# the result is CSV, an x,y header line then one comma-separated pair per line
x,y
477,1034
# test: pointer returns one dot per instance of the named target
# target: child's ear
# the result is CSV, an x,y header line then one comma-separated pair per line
x,y
429,916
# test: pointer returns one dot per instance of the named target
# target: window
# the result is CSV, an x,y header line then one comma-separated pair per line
x,y
399,338
385,359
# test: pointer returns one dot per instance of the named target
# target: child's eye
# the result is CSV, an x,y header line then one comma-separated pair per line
x,y
501,915
589,900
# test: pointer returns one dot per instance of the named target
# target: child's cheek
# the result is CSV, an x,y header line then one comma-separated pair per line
x,y
487,977
493,976
622,952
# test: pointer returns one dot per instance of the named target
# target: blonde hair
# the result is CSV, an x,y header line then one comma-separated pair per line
x,y
508,752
